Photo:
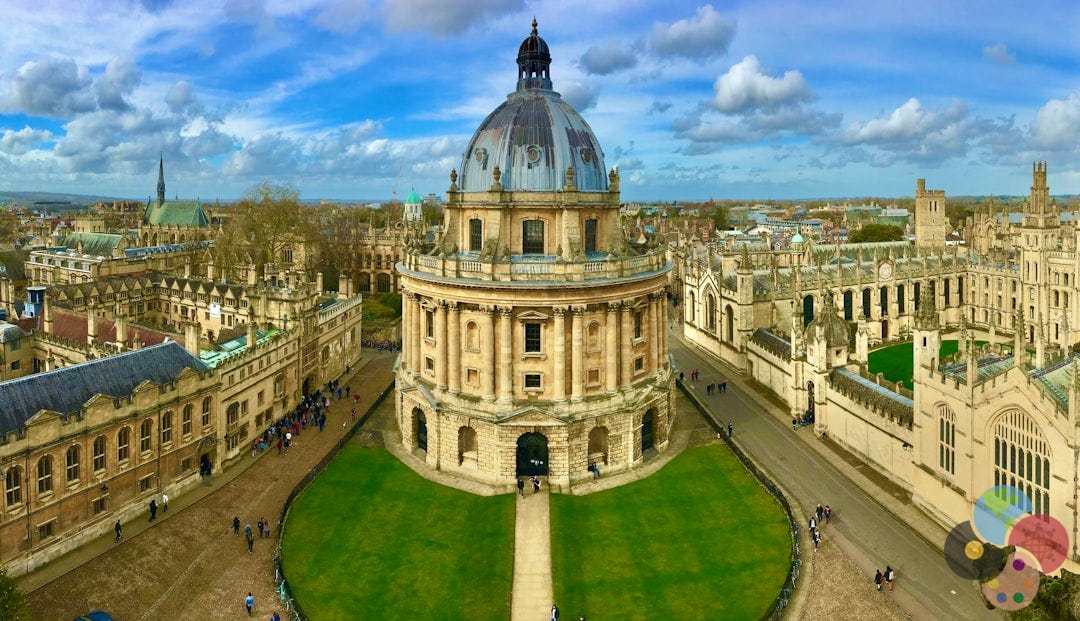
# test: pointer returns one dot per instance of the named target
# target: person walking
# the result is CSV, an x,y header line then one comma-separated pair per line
x,y
730,430
164,503
249,602
813,523
794,423
878,579
236,525
521,487
828,513
554,613
536,484
250,540
119,532
260,525
890,575
153,509
820,511
266,527
817,539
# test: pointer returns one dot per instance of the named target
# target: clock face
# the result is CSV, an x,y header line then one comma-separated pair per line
x,y
885,271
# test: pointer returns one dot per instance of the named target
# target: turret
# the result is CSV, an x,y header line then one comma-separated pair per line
x,y
927,334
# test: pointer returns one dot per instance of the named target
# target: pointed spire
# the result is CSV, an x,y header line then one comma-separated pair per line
x,y
161,180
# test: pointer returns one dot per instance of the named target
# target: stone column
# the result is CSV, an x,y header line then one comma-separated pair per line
x,y
655,330
577,368
611,348
416,324
627,346
441,362
506,354
454,345
487,346
406,332
559,352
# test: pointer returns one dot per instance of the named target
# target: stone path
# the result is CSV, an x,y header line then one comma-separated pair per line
x,y
532,593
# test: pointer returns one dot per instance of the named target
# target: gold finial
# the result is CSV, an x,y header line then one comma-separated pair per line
x,y
534,25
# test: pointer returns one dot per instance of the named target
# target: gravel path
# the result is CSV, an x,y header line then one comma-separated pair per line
x,y
839,591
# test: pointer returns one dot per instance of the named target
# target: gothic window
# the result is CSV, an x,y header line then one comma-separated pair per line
x,y
13,485
382,283
946,439
206,412
590,235
532,237
866,303
710,313
44,474
532,338
900,301
883,298
71,462
476,234
166,427
123,443
144,435
185,420
99,453
1022,458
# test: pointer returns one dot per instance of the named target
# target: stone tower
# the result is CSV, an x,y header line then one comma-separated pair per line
x,y
534,337
931,224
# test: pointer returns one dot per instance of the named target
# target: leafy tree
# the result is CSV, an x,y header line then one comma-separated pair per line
x,y
12,601
9,226
873,232
266,222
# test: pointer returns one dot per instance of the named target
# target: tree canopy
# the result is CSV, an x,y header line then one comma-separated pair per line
x,y
263,227
13,604
873,232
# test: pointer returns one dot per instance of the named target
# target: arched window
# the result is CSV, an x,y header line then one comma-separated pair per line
x,y
710,313
13,486
1022,458
532,237
590,235
946,439
383,283
145,429
691,307
729,324
866,303
592,336
44,474
99,453
123,444
185,419
166,427
71,463
472,336
206,412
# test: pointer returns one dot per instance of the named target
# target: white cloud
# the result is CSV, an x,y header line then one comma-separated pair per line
x,y
608,58
912,133
180,98
19,142
704,35
444,19
1057,124
745,87
54,87
580,95
999,54
120,79
343,16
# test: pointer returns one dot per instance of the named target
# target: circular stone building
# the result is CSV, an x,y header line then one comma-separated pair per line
x,y
534,332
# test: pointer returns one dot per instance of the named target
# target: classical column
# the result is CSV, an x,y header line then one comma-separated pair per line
x,y
454,346
655,330
487,346
662,322
559,351
506,354
611,347
416,328
406,333
441,361
577,368
627,346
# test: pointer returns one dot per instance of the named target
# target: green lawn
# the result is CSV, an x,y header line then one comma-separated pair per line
x,y
895,363
700,539
369,539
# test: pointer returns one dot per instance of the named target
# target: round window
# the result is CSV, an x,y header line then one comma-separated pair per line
x,y
533,154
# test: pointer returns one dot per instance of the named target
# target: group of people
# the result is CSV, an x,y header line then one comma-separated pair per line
x,y
535,485
718,387
249,536
820,513
885,578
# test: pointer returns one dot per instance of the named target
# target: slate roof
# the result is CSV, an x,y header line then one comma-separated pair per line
x,y
772,343
94,244
65,390
176,213
897,407
11,332
72,326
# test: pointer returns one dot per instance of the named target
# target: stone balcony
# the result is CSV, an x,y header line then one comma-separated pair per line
x,y
535,269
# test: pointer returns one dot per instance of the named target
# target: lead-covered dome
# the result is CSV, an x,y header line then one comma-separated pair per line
x,y
534,136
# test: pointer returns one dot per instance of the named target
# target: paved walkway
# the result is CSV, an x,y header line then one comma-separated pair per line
x,y
532,593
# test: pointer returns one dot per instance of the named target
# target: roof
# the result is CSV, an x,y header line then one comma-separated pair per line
x,y
67,389
176,213
413,197
11,332
94,244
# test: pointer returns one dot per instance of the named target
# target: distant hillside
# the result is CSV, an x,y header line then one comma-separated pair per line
x,y
33,197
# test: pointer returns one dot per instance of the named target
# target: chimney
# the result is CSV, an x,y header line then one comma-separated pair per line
x,y
187,269
210,271
192,330
122,331
136,342
46,313
318,282
252,334
252,276
91,325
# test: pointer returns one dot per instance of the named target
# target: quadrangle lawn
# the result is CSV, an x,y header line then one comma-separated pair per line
x,y
896,362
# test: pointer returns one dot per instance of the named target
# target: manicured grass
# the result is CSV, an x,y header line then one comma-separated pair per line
x,y
896,363
370,539
700,539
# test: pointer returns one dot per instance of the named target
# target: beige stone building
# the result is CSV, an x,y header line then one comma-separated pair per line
x,y
535,335
997,414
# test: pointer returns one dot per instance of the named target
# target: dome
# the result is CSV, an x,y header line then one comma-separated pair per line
x,y
534,136
834,328
413,197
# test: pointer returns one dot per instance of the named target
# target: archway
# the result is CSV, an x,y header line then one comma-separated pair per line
x,y
884,330
419,429
532,454
598,446
308,386
648,430
467,447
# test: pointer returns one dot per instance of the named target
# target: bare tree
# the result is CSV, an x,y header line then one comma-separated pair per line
x,y
267,226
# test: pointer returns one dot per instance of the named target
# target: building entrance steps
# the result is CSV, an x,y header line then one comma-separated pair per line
x,y
532,593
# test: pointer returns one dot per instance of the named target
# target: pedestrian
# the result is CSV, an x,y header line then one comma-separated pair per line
x,y
681,376
352,415
249,602
536,484
890,575
878,579
275,617
708,388
247,528
820,512
554,613
250,540
119,532
828,513
725,387
260,525
164,503
521,487
280,443
817,538
793,424
813,523
153,509
730,430
236,525
339,393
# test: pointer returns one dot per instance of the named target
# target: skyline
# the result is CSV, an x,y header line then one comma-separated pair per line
x,y
690,100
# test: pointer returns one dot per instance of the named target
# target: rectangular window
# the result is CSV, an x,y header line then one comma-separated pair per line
x,y
592,377
532,338
99,453
590,235
639,364
122,445
16,365
14,346
185,464
476,234
46,530
99,505
639,320
532,237
429,320
429,364
144,484
472,377
533,381
185,422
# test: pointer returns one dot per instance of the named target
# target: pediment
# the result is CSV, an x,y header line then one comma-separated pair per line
x,y
530,415
532,315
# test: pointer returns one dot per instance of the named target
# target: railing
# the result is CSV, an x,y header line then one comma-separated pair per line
x,y
544,269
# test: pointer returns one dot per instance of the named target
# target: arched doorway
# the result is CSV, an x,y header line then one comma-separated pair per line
x,y
598,446
420,428
532,454
309,385
648,430
467,447
884,330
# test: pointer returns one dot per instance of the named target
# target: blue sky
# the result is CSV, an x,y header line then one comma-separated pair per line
x,y
344,98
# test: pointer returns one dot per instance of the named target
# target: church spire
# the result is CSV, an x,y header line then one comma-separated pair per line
x,y
161,181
